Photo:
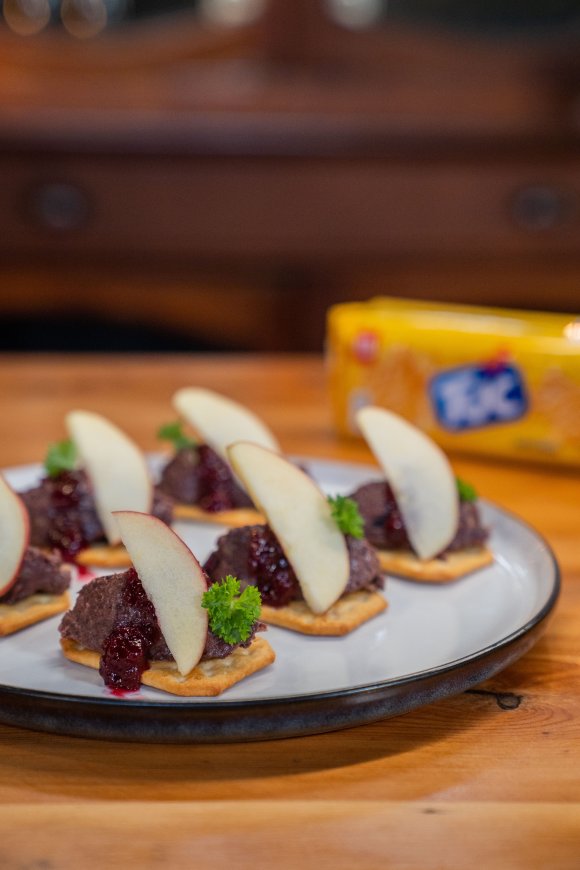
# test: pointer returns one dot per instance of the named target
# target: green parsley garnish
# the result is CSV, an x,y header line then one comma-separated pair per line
x,y
347,516
467,492
61,456
173,432
231,615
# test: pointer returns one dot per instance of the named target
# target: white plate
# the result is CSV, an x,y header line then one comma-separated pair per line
x,y
432,641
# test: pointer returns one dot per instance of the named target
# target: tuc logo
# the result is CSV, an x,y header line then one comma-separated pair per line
x,y
472,396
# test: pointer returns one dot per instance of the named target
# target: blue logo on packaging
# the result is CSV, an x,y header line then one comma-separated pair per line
x,y
469,397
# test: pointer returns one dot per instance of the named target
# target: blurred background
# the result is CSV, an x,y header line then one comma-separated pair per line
x,y
213,174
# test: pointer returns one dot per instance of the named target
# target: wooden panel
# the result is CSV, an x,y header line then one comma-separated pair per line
x,y
323,163
336,834
300,209
229,310
538,281
269,308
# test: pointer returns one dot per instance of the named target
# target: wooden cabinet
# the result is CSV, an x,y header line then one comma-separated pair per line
x,y
231,183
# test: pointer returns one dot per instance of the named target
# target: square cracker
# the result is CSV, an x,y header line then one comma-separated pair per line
x,y
344,616
104,556
208,678
236,517
116,556
404,563
30,610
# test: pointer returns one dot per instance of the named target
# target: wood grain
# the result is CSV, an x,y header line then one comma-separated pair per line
x,y
491,773
337,834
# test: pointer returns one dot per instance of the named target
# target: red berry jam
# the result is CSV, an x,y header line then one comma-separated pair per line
x,y
126,650
84,574
393,524
65,530
124,658
215,481
275,577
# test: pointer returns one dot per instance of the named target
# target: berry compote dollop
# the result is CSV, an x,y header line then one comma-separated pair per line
x,y
267,564
392,522
126,649
198,476
253,554
66,530
63,513
215,481
385,528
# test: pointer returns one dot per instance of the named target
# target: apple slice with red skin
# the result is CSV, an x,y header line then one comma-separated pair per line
x,y
14,535
173,581
299,515
115,465
220,421
420,476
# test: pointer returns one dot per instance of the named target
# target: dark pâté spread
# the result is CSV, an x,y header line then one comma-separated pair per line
x,y
113,616
253,554
198,476
63,514
384,526
39,573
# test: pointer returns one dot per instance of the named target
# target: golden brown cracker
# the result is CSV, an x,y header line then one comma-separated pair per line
x,y
344,616
406,564
237,517
398,381
557,398
207,679
30,610
104,556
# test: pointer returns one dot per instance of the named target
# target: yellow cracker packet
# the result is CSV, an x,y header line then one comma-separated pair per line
x,y
491,381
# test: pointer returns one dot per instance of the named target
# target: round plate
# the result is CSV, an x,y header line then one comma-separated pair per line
x,y
431,642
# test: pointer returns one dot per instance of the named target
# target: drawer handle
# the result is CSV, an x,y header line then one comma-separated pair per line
x,y
59,206
542,207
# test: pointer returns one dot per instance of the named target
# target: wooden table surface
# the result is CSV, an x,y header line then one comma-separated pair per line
x,y
468,781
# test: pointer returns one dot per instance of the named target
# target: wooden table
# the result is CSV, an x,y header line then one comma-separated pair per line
x,y
467,781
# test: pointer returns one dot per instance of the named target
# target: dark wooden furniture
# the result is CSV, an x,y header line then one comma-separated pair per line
x,y
230,184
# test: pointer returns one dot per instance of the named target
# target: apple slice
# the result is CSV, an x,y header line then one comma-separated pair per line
x,y
300,517
220,421
420,475
14,535
115,465
174,582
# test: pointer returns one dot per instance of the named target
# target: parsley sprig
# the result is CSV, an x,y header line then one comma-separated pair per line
x,y
467,492
61,456
346,515
173,432
231,614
